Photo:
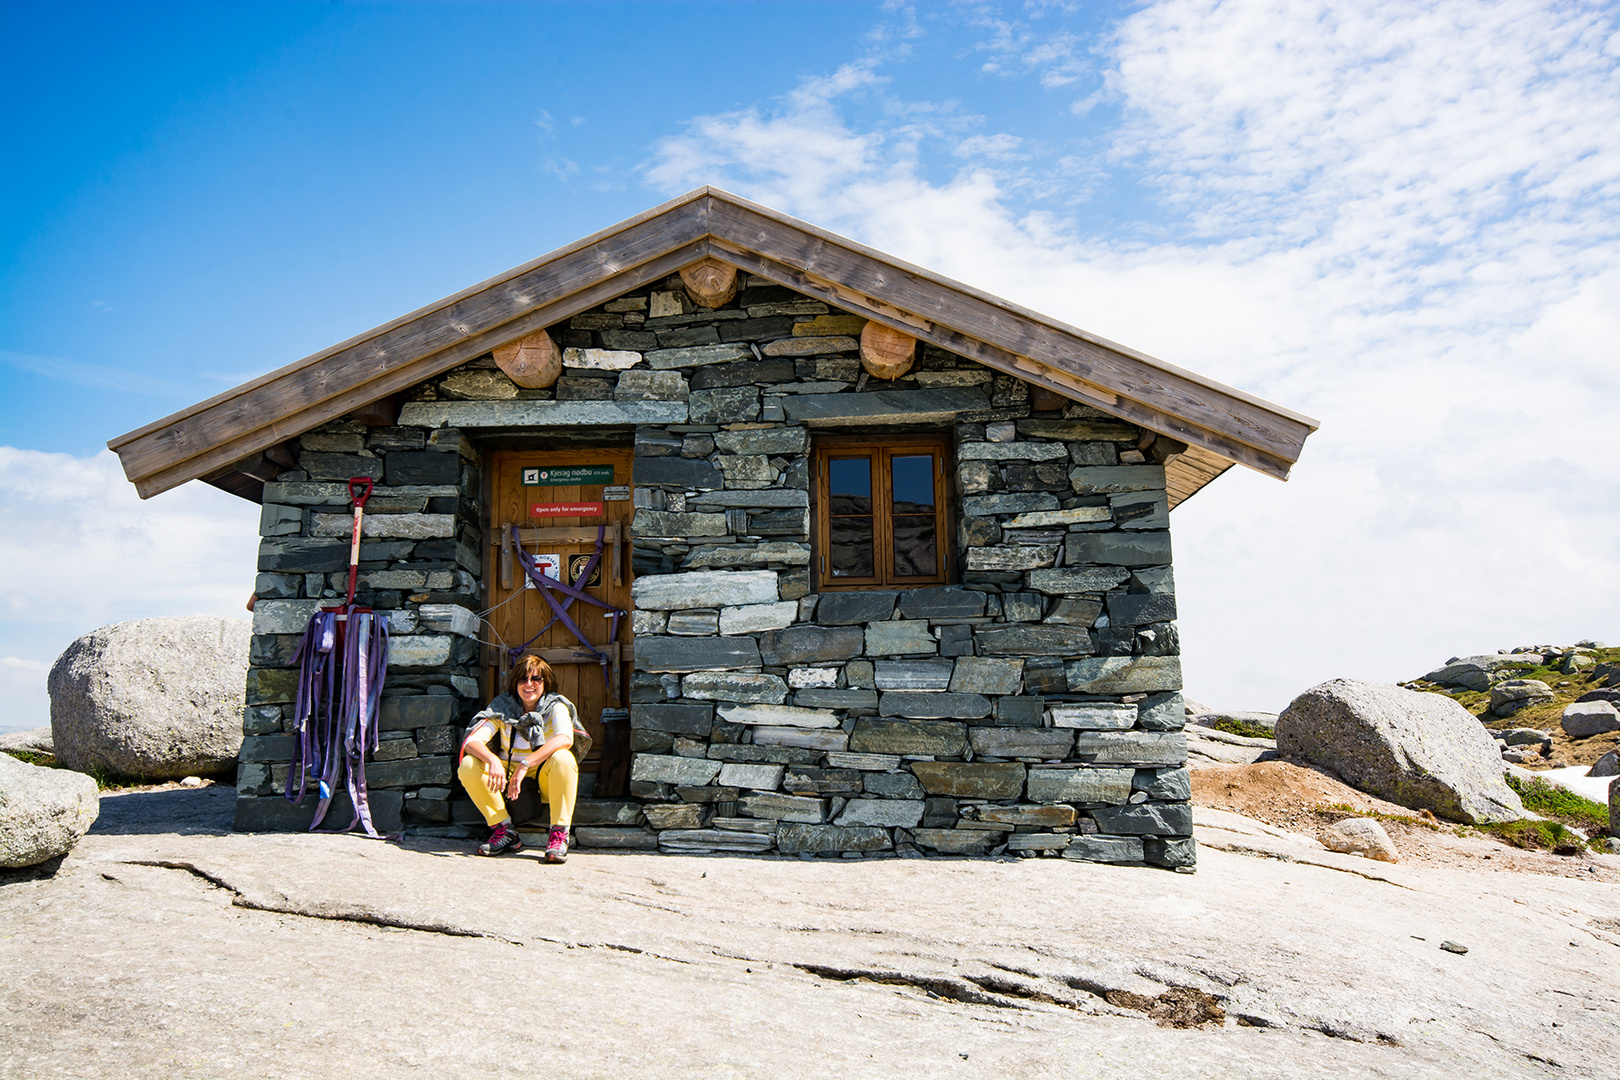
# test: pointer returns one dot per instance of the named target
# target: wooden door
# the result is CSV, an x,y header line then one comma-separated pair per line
x,y
559,499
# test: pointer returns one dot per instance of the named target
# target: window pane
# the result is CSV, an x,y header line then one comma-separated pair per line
x,y
914,546
913,483
851,547
849,485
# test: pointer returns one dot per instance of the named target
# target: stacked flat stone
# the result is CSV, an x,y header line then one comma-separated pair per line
x,y
1032,709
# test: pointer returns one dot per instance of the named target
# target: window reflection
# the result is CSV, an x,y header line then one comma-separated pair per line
x,y
849,484
913,477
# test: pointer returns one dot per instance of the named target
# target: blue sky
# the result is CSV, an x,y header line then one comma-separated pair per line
x,y
1401,219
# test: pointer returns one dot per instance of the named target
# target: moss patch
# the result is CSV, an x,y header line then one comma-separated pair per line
x,y
1233,726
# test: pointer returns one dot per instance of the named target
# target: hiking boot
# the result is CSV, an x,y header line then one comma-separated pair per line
x,y
557,844
502,838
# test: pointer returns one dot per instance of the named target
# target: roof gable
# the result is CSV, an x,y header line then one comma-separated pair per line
x,y
1221,425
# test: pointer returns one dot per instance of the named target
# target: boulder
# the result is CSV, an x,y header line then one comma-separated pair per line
x,y
1420,750
1479,672
1523,736
1516,694
43,812
1583,719
154,699
1607,765
33,741
1360,836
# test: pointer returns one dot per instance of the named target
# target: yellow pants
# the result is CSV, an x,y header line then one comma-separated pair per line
x,y
559,783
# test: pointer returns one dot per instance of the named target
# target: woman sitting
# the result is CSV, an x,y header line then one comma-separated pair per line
x,y
538,729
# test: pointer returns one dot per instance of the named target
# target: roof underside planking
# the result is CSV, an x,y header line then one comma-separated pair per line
x,y
225,439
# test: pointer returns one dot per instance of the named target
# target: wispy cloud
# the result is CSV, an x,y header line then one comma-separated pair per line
x,y
1404,220
98,376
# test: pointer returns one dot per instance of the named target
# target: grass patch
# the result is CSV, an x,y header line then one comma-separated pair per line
x,y
1530,835
104,781
1540,797
1233,726
1404,819
34,757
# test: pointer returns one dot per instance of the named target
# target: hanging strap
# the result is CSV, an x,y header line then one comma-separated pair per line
x,y
548,587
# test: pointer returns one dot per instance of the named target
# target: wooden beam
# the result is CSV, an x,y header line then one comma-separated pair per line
x,y
886,353
531,361
710,283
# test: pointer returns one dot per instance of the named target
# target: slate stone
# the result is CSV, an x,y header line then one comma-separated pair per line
x,y
418,467
303,556
754,752
806,645
1146,819
725,405
269,686
1173,852
661,769
943,602
1024,711
940,739
656,442
706,841
794,523
735,686
1162,712
1123,674
343,466
809,780
412,772
1095,716
536,414
743,373
981,780
1071,611
1012,503
1141,510
408,713
925,705
1149,548
1105,849
982,675
777,807
899,637
850,608
822,739
274,650
753,500
697,356
704,589
261,720
957,841
585,387
1088,786
1165,785
1073,580
1057,816
681,718
276,814
778,716
939,812
882,813
1148,748
677,472
1111,479
729,556
1140,609
1032,641
752,777
1023,607
893,785
696,654
929,674
792,839
698,622
267,748
1012,451
676,525
1011,557
814,697
955,640
884,406
1044,743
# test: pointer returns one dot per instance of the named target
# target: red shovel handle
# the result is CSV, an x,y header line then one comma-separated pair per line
x,y
359,490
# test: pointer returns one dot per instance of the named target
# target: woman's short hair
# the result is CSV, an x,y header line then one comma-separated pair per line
x,y
530,664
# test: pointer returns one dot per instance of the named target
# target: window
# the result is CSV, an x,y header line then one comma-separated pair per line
x,y
880,513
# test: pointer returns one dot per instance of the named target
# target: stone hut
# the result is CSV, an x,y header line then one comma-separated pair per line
x,y
880,563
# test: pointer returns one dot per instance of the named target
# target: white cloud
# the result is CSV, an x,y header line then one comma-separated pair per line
x,y
81,550
1404,221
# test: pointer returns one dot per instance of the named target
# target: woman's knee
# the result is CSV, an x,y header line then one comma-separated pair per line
x,y
471,771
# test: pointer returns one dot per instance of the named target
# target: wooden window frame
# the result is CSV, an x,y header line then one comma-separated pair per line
x,y
881,449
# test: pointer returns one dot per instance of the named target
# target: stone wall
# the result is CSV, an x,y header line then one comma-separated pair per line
x,y
1032,708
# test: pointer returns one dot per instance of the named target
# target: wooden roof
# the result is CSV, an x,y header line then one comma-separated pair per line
x,y
220,440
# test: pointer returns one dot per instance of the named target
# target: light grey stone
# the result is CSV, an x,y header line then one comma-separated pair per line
x,y
1043,640
664,769
156,699
882,813
751,777
704,588
1145,748
778,716
1011,557
600,359
813,678
752,618
676,525
420,650
778,807
1021,502
705,841
734,686
771,497
1511,696
732,555
386,526
43,811
643,385
929,705
1421,750
699,622
1123,674
448,619
283,616
1583,719
913,674
780,441
1165,785
822,739
540,414
865,762
1360,836
792,839
1094,716
900,637
1072,785
697,356
1167,712
1012,451
1080,515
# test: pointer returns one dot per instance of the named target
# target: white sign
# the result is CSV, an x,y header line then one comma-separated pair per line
x,y
549,563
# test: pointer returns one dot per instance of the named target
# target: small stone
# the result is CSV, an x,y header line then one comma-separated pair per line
x,y
1584,719
1360,836
1453,947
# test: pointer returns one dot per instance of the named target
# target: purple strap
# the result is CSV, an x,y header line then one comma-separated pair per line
x,y
548,586
340,678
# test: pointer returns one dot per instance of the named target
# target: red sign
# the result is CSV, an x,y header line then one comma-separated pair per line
x,y
575,509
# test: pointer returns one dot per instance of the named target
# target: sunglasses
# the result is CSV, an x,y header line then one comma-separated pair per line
x,y
530,678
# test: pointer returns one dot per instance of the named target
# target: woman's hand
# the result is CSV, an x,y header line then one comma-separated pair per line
x,y
494,776
519,771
